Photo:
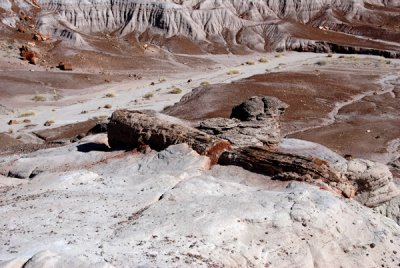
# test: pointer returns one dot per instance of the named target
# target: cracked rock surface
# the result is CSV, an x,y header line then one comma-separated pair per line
x,y
255,122
168,209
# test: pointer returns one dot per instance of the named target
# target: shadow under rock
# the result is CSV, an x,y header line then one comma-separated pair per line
x,y
91,146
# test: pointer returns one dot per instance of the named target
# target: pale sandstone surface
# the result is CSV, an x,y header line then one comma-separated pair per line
x,y
167,208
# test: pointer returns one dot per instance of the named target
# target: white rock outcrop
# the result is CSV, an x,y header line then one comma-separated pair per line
x,y
167,209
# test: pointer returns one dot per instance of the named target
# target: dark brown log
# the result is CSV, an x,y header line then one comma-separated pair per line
x,y
134,129
284,166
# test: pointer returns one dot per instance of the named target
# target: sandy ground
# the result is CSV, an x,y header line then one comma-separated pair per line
x,y
130,94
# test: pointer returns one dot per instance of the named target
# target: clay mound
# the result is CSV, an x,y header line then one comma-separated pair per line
x,y
225,26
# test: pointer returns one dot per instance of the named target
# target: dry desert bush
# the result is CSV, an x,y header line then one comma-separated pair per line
x,y
38,98
232,72
110,95
26,114
175,90
148,96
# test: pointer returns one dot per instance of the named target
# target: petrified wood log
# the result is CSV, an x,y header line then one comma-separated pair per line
x,y
283,166
133,129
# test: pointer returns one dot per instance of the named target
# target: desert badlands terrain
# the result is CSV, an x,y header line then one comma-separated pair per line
x,y
199,133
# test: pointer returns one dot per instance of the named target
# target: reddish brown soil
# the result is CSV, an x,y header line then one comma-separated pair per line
x,y
311,33
311,95
10,145
363,128
26,82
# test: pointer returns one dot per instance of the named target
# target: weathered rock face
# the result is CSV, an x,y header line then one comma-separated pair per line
x,y
133,129
390,209
284,166
259,108
374,180
253,122
191,17
49,259
256,25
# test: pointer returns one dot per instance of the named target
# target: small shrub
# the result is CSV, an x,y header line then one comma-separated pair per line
x,y
232,72
250,62
162,80
49,123
26,114
148,96
205,83
10,131
329,55
38,98
176,90
278,55
108,106
321,63
110,95
263,60
388,62
56,95
103,117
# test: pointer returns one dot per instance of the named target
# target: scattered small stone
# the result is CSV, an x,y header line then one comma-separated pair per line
x,y
48,123
13,122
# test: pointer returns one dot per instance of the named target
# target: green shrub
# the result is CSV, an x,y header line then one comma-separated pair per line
x,y
175,90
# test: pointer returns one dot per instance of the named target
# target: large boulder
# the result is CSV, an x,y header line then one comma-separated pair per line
x,y
135,129
257,108
254,122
